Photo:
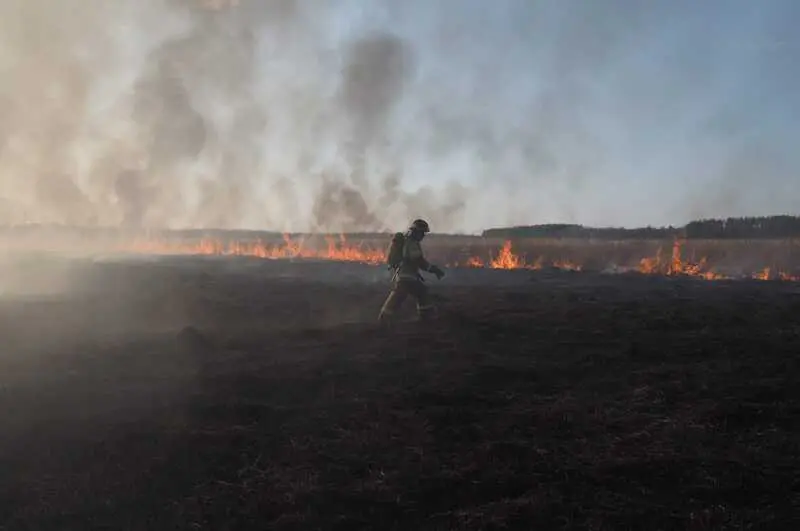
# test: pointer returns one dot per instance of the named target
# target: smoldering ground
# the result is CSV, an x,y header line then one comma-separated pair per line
x,y
574,396
299,115
89,347
142,330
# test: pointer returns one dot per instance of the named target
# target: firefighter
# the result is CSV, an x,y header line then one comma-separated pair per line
x,y
407,280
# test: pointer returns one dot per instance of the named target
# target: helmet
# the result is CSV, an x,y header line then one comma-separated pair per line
x,y
420,225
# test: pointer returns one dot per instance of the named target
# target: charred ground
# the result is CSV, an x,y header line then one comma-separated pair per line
x,y
229,393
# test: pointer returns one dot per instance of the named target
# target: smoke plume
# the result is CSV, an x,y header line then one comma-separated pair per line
x,y
338,116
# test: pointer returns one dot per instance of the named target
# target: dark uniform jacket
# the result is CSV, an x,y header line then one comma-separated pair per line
x,y
413,261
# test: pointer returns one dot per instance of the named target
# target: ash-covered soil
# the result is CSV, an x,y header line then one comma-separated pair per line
x,y
220,393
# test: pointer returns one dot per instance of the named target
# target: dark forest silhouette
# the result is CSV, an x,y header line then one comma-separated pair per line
x,y
764,227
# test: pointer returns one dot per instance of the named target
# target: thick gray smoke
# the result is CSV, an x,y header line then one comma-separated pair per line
x,y
303,115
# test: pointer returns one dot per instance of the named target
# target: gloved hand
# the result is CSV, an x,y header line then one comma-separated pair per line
x,y
436,270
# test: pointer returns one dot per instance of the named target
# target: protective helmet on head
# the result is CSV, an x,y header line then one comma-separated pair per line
x,y
420,225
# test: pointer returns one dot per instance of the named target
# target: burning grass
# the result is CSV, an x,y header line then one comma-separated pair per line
x,y
486,255
700,259
338,249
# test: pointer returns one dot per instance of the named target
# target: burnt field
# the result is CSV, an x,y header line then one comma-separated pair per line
x,y
766,259
236,393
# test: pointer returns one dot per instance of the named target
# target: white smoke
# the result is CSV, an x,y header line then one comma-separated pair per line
x,y
342,115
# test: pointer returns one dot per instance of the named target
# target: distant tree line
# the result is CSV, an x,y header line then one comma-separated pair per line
x,y
764,227
745,228
568,231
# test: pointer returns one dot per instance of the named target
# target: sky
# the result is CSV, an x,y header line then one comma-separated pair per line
x,y
304,115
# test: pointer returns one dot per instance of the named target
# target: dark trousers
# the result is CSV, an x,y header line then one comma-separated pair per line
x,y
403,288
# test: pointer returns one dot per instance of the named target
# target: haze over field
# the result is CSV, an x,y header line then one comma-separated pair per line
x,y
343,115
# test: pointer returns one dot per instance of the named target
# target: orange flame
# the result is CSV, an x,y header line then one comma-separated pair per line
x,y
341,251
769,273
676,266
566,265
474,261
764,274
507,259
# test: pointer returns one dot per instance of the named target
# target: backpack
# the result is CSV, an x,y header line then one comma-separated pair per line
x,y
394,256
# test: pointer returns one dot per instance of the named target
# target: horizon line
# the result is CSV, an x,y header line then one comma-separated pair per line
x,y
387,231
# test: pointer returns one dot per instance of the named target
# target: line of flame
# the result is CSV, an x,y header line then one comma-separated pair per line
x,y
505,258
